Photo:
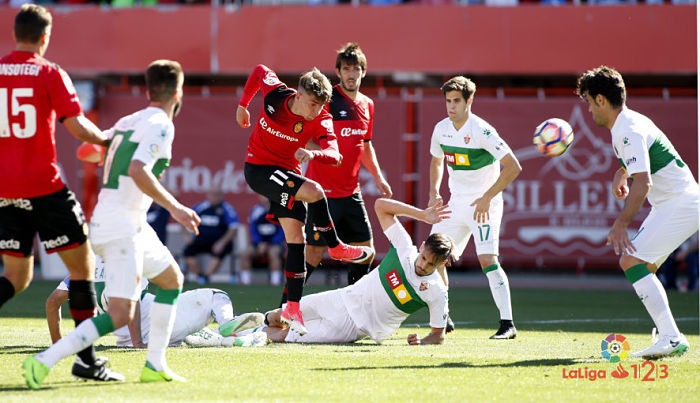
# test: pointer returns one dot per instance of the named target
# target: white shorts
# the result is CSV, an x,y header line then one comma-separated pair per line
x,y
461,225
128,259
326,319
666,227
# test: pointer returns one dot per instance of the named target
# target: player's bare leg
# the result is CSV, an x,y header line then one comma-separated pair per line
x,y
19,272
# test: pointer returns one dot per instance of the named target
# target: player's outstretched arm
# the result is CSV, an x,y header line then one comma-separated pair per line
x,y
436,336
83,128
149,185
387,210
53,313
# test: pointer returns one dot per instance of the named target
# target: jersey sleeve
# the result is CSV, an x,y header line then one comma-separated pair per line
x,y
439,308
435,149
399,239
634,153
262,78
156,144
230,215
62,93
326,139
493,143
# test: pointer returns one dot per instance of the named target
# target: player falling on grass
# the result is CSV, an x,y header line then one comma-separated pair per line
x,y
33,198
288,121
353,118
474,152
659,175
196,309
139,150
377,304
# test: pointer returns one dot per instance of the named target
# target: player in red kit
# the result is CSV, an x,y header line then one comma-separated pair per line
x,y
353,117
33,198
289,120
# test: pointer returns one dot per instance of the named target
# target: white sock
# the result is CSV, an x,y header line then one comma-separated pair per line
x,y
500,289
276,277
222,308
162,321
245,277
80,338
653,296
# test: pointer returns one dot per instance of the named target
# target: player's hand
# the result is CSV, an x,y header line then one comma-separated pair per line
x,y
481,211
620,240
384,188
243,117
413,339
619,185
187,218
435,198
436,213
140,345
302,155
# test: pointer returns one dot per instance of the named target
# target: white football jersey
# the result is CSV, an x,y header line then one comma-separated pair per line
x,y
640,146
472,154
147,136
370,306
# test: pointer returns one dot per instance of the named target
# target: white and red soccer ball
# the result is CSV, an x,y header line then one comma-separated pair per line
x,y
553,137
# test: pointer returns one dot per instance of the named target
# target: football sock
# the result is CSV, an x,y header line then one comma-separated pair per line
x,y
245,277
357,270
162,321
7,290
500,289
295,271
276,277
652,294
222,308
81,337
321,219
82,302
310,269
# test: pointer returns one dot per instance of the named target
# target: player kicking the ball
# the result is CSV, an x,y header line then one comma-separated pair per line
x,y
659,175
288,120
473,152
377,304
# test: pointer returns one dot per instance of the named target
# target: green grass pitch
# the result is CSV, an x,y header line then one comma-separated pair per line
x,y
559,331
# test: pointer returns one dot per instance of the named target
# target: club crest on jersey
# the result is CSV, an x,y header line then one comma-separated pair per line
x,y
467,139
423,286
298,127
290,184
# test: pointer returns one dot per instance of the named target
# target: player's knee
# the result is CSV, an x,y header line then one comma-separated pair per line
x,y
20,280
314,192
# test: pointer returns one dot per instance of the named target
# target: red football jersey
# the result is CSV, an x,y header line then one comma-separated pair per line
x,y
352,121
33,92
278,133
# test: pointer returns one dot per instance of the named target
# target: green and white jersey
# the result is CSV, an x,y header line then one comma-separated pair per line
x,y
640,146
146,136
381,300
472,154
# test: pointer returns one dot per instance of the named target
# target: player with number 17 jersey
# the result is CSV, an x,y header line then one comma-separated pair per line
x,y
33,92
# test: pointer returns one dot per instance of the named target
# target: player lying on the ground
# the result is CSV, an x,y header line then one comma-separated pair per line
x,y
380,301
196,309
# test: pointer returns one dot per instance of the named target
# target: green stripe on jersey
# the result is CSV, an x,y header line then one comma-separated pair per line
x,y
662,152
120,151
467,159
397,287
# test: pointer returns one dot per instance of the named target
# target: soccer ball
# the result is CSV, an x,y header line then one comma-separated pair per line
x,y
553,137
